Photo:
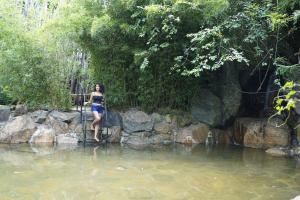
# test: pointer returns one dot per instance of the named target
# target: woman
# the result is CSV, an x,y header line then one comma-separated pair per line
x,y
97,107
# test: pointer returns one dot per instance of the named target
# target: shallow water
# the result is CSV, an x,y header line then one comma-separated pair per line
x,y
115,172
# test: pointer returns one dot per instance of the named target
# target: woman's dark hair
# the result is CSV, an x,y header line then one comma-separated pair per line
x,y
102,88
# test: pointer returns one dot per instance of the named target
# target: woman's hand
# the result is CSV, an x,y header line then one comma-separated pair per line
x,y
86,103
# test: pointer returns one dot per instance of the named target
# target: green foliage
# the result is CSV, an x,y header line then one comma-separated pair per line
x,y
285,101
149,53
29,71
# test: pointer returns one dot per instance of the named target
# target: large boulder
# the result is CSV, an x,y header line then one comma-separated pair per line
x,y
193,134
60,127
261,133
43,134
4,113
206,107
18,130
66,117
111,119
136,121
215,104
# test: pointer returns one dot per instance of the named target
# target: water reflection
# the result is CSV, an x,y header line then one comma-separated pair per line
x,y
159,172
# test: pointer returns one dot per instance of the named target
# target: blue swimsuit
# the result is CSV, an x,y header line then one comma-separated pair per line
x,y
98,108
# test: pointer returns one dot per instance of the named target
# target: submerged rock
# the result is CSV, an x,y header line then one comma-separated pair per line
x,y
277,152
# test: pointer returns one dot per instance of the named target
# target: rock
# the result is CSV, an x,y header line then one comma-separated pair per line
x,y
206,107
112,119
258,133
216,103
21,109
144,139
136,121
222,136
298,130
43,134
297,109
297,151
39,116
162,128
168,118
114,134
276,136
157,118
230,91
59,126
18,130
160,139
4,113
69,138
136,139
279,152
193,134
296,198
66,117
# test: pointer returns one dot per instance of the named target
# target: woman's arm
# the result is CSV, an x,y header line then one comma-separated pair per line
x,y
91,98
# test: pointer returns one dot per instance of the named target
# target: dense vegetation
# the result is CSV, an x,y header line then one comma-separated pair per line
x,y
149,53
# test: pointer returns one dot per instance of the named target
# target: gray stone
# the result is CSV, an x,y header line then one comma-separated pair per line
x,y
39,116
111,119
279,152
206,107
69,138
18,130
59,126
43,134
114,134
136,121
4,113
21,109
157,118
162,128
66,117
216,103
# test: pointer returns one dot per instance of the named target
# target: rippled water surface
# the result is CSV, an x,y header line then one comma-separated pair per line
x,y
115,172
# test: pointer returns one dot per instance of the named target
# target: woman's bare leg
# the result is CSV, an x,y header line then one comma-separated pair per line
x,y
96,123
99,126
